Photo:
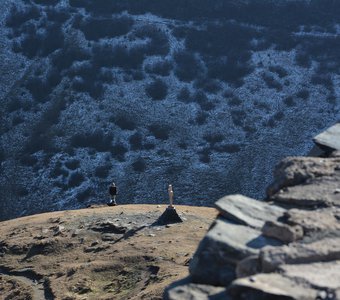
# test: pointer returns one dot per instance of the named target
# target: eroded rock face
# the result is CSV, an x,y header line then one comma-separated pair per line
x,y
329,139
302,217
185,289
270,286
222,248
298,253
293,171
247,211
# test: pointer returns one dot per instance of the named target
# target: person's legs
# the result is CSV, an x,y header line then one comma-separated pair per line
x,y
112,201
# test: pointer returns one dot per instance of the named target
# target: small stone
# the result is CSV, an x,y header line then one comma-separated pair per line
x,y
282,232
152,234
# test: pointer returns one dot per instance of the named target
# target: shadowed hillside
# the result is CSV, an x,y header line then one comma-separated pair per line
x,y
146,93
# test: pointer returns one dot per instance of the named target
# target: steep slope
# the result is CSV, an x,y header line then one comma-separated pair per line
x,y
205,96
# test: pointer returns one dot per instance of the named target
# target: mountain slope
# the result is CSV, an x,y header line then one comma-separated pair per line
x,y
206,97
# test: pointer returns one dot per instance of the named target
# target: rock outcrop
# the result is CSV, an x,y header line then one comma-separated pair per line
x,y
287,247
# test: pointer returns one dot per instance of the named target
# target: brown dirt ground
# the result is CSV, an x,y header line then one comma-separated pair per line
x,y
98,253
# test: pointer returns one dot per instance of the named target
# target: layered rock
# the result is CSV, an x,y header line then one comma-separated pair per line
x,y
287,247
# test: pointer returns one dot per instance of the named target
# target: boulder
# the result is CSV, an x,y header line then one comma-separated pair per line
x,y
185,289
324,275
322,250
222,248
247,211
319,192
282,232
293,171
270,286
329,140
320,220
248,266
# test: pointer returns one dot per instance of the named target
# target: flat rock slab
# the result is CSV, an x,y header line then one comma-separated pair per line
x,y
248,211
327,249
292,171
322,275
316,193
329,139
185,289
319,220
222,248
270,286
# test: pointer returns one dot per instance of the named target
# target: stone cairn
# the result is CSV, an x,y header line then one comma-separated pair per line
x,y
286,247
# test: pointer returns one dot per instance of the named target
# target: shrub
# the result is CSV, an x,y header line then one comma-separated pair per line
x,y
2,155
228,148
303,59
161,68
271,82
119,56
18,17
209,85
75,179
157,90
118,151
230,70
160,131
102,171
125,123
238,117
235,101
139,165
289,101
96,140
58,170
14,104
280,71
213,138
39,89
303,94
46,2
97,28
322,79
204,155
28,160
52,40
187,67
64,58
136,141
72,164
158,44
184,95
17,120
201,118
200,98
53,14
84,195
279,116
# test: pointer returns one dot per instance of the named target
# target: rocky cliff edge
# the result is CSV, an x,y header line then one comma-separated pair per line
x,y
286,247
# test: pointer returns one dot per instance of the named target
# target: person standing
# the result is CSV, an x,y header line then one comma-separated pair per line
x,y
113,191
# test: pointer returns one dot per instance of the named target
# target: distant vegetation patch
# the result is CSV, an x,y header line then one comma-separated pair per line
x,y
160,131
97,28
187,67
139,165
157,90
158,41
161,68
96,140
